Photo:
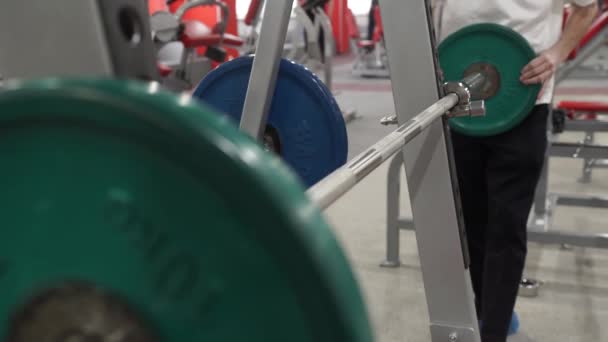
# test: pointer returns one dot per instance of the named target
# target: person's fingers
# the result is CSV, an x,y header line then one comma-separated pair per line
x,y
533,64
535,71
539,79
542,75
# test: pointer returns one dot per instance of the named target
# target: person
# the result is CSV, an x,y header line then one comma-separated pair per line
x,y
371,20
309,7
497,175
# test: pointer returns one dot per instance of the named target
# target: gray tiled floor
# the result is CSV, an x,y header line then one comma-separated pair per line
x,y
573,303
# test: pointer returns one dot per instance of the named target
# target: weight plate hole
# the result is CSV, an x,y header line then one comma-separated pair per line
x,y
130,25
77,312
272,142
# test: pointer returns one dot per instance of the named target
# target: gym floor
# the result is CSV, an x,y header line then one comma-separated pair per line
x,y
573,302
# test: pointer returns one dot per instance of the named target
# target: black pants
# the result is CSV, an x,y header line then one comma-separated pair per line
x,y
497,177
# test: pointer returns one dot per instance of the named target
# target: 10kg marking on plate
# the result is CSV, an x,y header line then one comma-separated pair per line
x,y
176,274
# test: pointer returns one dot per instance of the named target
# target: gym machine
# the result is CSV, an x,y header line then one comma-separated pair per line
x,y
177,41
582,116
129,250
594,40
449,293
371,59
318,49
311,40
541,226
576,111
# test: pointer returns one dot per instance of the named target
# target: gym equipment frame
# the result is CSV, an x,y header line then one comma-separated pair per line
x,y
443,256
540,224
584,117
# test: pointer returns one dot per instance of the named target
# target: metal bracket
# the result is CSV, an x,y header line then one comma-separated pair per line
x,y
389,120
448,333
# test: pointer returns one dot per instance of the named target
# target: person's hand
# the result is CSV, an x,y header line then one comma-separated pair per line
x,y
542,68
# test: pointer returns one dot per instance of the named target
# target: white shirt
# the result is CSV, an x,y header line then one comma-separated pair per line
x,y
539,21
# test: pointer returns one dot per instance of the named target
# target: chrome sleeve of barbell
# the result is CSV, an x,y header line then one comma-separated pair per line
x,y
332,187
474,81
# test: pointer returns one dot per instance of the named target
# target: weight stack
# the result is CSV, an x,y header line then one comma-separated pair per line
x,y
76,38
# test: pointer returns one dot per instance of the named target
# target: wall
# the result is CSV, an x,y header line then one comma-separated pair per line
x,y
359,7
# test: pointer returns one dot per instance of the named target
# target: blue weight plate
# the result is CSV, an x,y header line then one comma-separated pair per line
x,y
305,125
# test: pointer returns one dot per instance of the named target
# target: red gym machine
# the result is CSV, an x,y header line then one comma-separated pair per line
x,y
371,59
188,48
568,115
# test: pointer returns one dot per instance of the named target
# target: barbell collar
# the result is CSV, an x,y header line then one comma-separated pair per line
x,y
466,105
464,89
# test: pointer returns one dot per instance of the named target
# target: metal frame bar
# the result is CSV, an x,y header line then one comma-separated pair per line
x,y
79,38
541,228
393,199
581,150
265,70
595,44
588,162
47,22
589,127
597,202
586,126
412,59
558,237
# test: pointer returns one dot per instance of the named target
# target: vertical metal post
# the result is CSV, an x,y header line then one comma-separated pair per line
x,y
393,197
411,54
588,163
540,196
265,69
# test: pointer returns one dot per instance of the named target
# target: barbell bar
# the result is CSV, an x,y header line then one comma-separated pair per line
x,y
456,103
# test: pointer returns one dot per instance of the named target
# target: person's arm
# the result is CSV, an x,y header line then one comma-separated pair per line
x,y
543,67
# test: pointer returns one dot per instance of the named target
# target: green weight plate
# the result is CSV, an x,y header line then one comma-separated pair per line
x,y
133,213
507,52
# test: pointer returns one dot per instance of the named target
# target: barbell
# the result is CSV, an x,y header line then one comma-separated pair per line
x,y
132,214
306,127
